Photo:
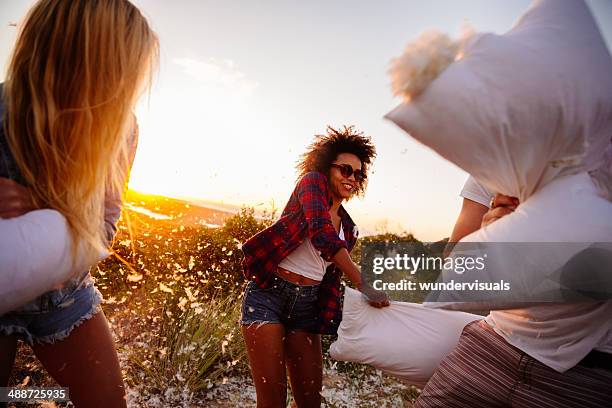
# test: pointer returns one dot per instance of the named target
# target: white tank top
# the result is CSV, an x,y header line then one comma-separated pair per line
x,y
306,260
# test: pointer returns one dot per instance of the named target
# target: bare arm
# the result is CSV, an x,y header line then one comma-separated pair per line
x,y
113,200
344,262
15,199
468,221
474,216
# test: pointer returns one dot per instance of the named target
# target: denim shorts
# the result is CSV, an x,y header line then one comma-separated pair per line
x,y
294,306
52,316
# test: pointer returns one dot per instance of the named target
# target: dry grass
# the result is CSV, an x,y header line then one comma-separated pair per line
x,y
172,297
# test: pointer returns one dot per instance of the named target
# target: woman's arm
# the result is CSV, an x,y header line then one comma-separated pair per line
x,y
343,261
469,219
15,199
474,216
113,199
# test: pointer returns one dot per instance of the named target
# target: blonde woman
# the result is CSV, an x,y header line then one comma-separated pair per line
x,y
67,138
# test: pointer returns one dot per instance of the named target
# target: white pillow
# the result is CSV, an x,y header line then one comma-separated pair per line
x,y
520,109
36,257
405,340
529,247
521,112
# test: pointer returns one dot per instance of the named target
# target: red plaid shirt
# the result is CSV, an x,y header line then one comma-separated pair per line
x,y
306,215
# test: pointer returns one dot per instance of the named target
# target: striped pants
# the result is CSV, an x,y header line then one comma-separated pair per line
x,y
485,371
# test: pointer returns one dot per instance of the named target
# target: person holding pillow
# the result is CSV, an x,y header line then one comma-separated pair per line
x,y
480,207
527,114
67,140
36,251
294,268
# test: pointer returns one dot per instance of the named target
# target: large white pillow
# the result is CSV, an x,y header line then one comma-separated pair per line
x,y
520,109
528,114
534,250
36,257
405,340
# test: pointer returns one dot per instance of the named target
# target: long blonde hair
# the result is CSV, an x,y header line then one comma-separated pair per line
x,y
75,74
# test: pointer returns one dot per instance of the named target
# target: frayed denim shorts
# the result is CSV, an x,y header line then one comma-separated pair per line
x,y
52,316
294,306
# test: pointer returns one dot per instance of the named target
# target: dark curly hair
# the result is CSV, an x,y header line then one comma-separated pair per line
x,y
324,150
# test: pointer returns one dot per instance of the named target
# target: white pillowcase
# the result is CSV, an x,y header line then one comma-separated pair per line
x,y
36,257
406,340
520,109
528,114
567,216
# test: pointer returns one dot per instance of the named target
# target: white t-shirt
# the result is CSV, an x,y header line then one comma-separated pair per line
x,y
305,260
473,190
558,335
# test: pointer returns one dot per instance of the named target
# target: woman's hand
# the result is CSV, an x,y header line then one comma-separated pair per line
x,y
15,199
501,205
376,298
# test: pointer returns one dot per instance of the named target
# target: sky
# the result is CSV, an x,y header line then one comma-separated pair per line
x,y
243,86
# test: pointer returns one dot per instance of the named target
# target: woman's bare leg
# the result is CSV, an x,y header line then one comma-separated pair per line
x,y
8,349
305,363
86,362
264,345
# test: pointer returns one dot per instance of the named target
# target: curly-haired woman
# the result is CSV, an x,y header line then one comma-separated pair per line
x,y
294,267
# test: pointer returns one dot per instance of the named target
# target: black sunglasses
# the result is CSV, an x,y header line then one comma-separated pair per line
x,y
347,170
